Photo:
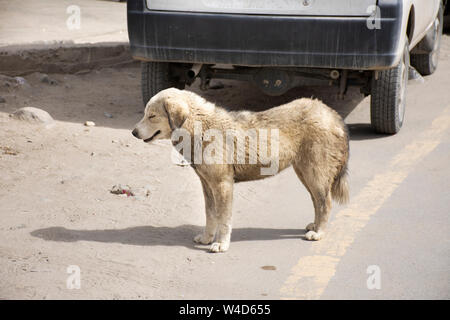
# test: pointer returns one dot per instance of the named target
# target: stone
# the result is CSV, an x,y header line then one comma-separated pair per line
x,y
20,81
89,124
46,79
32,114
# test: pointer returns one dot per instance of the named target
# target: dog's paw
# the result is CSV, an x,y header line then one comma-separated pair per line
x,y
310,227
313,236
202,239
219,247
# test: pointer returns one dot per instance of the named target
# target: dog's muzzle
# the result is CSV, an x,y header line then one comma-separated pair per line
x,y
135,133
154,135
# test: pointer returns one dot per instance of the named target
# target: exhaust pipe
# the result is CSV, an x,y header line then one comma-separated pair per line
x,y
193,72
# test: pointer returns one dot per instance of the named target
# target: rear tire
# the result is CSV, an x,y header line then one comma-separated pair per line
x,y
426,60
156,76
387,104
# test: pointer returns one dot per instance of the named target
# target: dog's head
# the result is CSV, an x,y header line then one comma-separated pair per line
x,y
164,113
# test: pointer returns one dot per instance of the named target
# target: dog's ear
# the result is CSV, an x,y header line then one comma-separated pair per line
x,y
177,111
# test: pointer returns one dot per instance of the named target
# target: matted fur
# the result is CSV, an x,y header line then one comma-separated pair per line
x,y
312,138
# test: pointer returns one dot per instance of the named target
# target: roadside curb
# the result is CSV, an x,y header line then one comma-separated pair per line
x,y
17,60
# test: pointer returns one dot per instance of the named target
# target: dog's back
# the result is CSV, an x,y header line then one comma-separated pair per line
x,y
306,127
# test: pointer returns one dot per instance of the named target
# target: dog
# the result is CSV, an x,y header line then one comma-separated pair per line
x,y
306,134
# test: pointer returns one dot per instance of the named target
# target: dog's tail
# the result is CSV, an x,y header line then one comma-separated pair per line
x,y
339,188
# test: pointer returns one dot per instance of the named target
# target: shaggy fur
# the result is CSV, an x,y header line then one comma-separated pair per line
x,y
312,138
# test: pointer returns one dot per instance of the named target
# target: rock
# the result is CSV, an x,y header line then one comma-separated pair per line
x,y
89,124
20,81
33,115
46,79
108,115
2,100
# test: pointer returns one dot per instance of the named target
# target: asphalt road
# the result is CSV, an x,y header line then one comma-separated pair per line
x,y
392,240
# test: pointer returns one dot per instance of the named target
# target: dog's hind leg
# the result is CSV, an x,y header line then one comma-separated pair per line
x,y
223,198
321,198
322,207
209,232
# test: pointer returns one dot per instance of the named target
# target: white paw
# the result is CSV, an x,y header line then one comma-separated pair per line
x,y
219,247
310,227
202,239
314,236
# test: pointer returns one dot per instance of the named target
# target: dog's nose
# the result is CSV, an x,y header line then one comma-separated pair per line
x,y
135,133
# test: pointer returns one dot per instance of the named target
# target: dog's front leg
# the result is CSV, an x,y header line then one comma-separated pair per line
x,y
223,198
209,233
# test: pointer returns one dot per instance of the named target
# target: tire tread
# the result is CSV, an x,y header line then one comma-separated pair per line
x,y
155,76
384,115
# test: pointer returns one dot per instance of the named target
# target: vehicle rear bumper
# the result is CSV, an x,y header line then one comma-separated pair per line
x,y
264,40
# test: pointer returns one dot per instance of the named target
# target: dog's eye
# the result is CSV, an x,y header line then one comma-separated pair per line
x,y
152,116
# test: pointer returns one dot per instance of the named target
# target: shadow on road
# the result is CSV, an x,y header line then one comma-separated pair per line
x,y
160,236
364,131
112,98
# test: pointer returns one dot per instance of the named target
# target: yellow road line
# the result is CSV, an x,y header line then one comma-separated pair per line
x,y
311,275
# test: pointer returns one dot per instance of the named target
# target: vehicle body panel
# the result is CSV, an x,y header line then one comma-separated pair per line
x,y
341,42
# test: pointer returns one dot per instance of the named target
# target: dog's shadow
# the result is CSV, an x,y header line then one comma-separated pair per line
x,y
161,236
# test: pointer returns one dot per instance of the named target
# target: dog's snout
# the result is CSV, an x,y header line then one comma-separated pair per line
x,y
135,133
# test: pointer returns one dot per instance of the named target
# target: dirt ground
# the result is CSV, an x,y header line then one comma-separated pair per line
x,y
57,210
55,185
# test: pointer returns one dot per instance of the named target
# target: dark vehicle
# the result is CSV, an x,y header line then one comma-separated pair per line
x,y
278,45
